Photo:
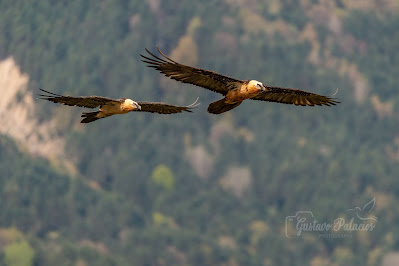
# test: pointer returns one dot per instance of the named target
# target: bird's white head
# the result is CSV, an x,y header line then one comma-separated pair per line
x,y
132,105
257,84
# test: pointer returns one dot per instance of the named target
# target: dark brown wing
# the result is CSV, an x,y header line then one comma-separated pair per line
x,y
203,78
293,96
164,108
82,101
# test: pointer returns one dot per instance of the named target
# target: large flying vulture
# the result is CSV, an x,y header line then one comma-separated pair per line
x,y
110,106
234,90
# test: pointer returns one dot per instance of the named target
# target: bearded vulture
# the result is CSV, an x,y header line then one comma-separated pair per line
x,y
234,90
109,107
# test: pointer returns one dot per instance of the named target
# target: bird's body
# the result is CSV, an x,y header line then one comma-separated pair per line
x,y
234,90
117,108
109,107
244,91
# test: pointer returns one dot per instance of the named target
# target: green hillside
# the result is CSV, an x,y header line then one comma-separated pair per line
x,y
196,188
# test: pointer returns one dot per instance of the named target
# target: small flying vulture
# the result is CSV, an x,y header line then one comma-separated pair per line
x,y
110,106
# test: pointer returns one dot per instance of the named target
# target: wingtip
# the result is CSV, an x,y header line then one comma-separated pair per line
x,y
164,55
155,59
51,93
189,108
195,104
333,100
40,95
335,92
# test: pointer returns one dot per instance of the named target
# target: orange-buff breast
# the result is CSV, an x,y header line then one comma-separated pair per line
x,y
115,109
241,94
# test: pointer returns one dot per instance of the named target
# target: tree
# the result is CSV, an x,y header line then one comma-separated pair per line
x,y
19,253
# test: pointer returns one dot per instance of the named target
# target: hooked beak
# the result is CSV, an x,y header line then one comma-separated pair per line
x,y
263,88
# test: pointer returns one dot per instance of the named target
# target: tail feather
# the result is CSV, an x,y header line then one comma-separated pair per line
x,y
90,117
221,106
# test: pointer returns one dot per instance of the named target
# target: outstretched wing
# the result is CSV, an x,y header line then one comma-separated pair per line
x,y
293,96
203,78
164,108
82,101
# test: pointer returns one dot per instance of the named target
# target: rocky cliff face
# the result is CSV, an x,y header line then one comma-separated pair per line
x,y
18,119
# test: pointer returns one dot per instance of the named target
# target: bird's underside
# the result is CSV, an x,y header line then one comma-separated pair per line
x,y
108,106
234,90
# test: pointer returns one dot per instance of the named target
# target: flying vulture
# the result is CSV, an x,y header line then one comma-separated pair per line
x,y
234,90
110,106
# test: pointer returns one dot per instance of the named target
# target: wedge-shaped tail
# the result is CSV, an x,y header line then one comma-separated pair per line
x,y
221,106
90,117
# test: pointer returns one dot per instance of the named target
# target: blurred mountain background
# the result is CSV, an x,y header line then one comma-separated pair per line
x,y
197,189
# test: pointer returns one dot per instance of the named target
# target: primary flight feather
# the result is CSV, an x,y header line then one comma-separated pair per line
x,y
234,90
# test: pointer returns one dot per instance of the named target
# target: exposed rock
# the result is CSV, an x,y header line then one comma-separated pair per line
x,y
237,180
18,120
